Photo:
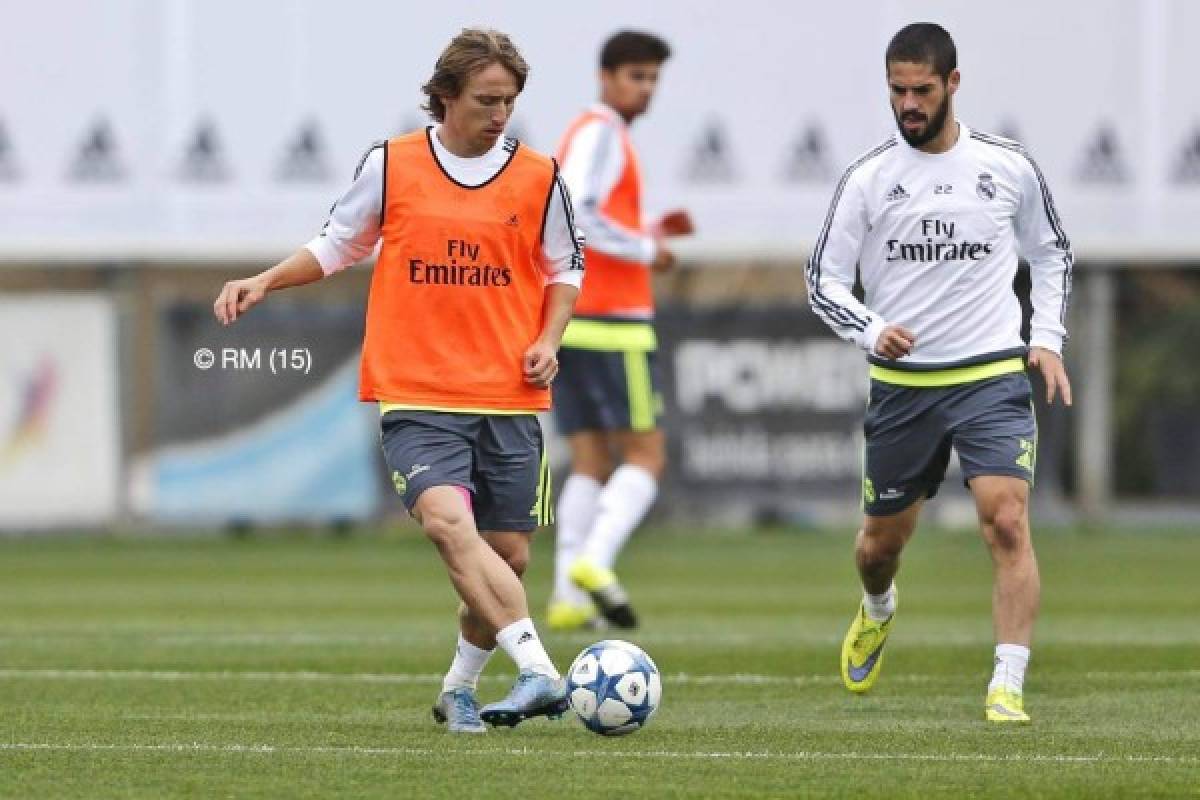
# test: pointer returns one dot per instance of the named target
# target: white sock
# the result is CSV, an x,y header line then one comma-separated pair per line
x,y
880,606
466,667
1011,661
577,504
521,642
623,504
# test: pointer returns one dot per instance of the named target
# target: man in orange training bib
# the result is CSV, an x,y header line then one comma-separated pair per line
x,y
475,282
607,401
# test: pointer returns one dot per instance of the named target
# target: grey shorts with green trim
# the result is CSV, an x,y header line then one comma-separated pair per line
x,y
607,390
499,458
909,433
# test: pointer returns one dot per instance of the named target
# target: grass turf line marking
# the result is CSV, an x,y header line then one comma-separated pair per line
x,y
804,755
679,678
659,639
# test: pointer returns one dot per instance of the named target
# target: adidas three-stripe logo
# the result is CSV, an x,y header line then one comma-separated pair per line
x,y
897,193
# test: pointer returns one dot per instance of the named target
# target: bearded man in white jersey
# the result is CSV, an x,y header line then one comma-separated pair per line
x,y
931,222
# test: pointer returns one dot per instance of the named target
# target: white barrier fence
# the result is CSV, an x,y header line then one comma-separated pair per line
x,y
215,128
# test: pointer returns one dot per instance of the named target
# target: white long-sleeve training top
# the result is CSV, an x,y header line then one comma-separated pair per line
x,y
934,239
352,231
593,162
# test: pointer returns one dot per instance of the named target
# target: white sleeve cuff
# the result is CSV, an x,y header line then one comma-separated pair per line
x,y
649,250
571,277
327,254
871,335
1047,340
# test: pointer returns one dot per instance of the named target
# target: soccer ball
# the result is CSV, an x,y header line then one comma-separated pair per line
x,y
614,687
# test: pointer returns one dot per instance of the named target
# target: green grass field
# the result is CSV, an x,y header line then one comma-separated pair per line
x,y
305,667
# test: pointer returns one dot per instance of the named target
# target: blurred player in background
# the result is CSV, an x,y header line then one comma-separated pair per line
x,y
606,400
933,218
475,282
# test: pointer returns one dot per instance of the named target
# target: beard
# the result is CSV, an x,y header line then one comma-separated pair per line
x,y
932,127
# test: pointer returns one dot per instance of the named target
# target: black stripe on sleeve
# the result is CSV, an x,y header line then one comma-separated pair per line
x,y
362,162
837,314
1061,240
549,196
568,213
383,191
834,313
577,236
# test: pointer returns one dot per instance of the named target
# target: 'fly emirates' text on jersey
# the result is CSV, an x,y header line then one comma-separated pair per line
x,y
935,239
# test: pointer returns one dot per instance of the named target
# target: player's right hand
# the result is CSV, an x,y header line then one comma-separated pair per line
x,y
540,364
238,297
1053,373
664,259
676,223
895,342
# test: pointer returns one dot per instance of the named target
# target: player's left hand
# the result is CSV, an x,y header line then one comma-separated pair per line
x,y
540,364
1053,372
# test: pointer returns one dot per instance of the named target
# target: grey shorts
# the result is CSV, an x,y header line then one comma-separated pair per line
x,y
909,432
606,390
499,458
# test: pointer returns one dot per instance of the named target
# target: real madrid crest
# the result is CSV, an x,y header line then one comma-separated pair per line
x,y
986,189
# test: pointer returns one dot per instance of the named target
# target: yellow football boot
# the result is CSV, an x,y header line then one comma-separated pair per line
x,y
565,616
608,595
862,651
1005,705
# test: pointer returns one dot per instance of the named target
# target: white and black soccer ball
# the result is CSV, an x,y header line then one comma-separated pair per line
x,y
614,687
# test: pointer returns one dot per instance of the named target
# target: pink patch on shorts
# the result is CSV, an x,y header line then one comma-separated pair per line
x,y
466,496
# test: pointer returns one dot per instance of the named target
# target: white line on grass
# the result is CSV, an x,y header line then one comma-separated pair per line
x,y
300,639
678,678
766,755
171,676
801,633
